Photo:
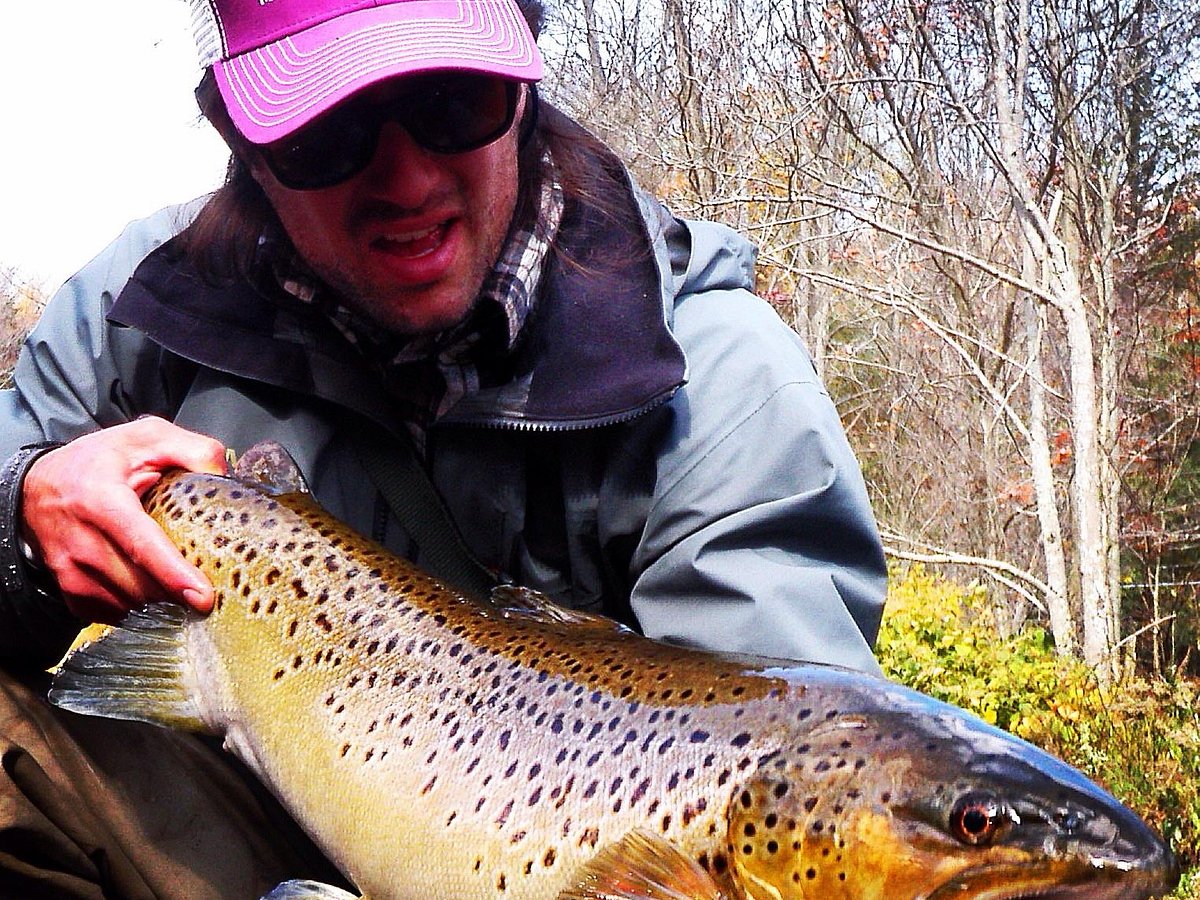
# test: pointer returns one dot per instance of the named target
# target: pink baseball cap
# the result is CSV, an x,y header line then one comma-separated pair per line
x,y
281,63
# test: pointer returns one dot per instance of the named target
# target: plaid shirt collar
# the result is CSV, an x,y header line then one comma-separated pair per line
x,y
428,374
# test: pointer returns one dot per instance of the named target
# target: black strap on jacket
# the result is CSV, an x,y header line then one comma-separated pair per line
x,y
393,466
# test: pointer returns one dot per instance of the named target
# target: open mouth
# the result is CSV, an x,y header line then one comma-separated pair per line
x,y
413,244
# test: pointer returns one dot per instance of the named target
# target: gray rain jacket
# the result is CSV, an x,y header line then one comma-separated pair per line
x,y
662,452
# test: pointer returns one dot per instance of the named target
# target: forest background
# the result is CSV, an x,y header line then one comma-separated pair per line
x,y
984,219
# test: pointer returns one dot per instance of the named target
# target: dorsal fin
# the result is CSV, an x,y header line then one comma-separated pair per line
x,y
269,466
515,602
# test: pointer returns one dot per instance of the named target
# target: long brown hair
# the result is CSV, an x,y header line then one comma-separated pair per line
x,y
222,241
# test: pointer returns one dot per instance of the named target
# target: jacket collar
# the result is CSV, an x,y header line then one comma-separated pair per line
x,y
596,349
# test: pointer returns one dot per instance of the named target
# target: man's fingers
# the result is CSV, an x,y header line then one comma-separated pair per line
x,y
81,510
98,584
103,578
151,553
159,445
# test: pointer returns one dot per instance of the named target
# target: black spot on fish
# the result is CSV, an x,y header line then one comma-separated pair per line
x,y
504,814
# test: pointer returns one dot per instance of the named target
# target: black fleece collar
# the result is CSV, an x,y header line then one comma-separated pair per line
x,y
596,349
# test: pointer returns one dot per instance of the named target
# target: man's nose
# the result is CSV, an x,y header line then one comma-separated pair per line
x,y
401,168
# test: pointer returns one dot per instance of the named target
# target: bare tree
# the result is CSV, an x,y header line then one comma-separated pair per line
x,y
949,199
21,303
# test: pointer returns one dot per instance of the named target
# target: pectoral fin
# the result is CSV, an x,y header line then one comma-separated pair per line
x,y
642,866
309,890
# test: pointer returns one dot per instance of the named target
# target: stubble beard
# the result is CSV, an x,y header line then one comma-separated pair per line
x,y
392,308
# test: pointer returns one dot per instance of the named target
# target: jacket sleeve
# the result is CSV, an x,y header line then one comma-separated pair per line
x,y
75,373
760,537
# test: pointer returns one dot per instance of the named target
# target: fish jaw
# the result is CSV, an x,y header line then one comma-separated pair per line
x,y
905,798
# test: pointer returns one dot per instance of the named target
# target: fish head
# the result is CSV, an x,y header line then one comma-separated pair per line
x,y
920,801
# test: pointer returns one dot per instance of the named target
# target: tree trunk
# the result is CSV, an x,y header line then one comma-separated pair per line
x,y
1058,607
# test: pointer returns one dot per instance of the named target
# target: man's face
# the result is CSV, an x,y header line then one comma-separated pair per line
x,y
408,241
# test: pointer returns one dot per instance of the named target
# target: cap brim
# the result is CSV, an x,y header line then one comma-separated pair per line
x,y
273,90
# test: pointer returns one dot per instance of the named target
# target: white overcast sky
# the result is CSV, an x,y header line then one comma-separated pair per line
x,y
97,126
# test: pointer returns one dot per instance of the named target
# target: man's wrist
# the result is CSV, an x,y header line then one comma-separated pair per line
x,y
17,557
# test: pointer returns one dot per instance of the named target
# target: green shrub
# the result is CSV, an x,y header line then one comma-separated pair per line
x,y
1140,739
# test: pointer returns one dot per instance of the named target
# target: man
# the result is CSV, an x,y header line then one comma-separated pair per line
x,y
407,244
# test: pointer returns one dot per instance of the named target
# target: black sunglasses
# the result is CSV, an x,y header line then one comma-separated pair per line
x,y
447,114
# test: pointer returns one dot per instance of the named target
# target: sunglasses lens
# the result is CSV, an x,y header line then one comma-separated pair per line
x,y
442,114
462,113
324,153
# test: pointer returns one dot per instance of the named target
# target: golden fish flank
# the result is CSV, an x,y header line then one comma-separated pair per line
x,y
435,745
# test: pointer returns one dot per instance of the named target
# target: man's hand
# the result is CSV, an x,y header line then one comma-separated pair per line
x,y
81,512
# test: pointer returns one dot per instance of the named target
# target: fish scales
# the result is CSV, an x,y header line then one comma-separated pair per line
x,y
437,745
504,726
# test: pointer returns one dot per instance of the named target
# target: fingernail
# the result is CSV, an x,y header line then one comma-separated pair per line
x,y
196,600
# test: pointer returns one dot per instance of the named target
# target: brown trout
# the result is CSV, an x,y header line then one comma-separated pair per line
x,y
436,745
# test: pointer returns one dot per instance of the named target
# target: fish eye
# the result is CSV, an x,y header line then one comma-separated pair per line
x,y
978,821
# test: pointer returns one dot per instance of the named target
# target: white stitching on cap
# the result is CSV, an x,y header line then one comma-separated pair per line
x,y
274,68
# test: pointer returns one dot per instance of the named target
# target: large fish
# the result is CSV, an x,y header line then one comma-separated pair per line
x,y
439,746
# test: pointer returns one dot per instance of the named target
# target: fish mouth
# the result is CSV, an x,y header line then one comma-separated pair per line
x,y
1088,892
1055,892
1018,883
